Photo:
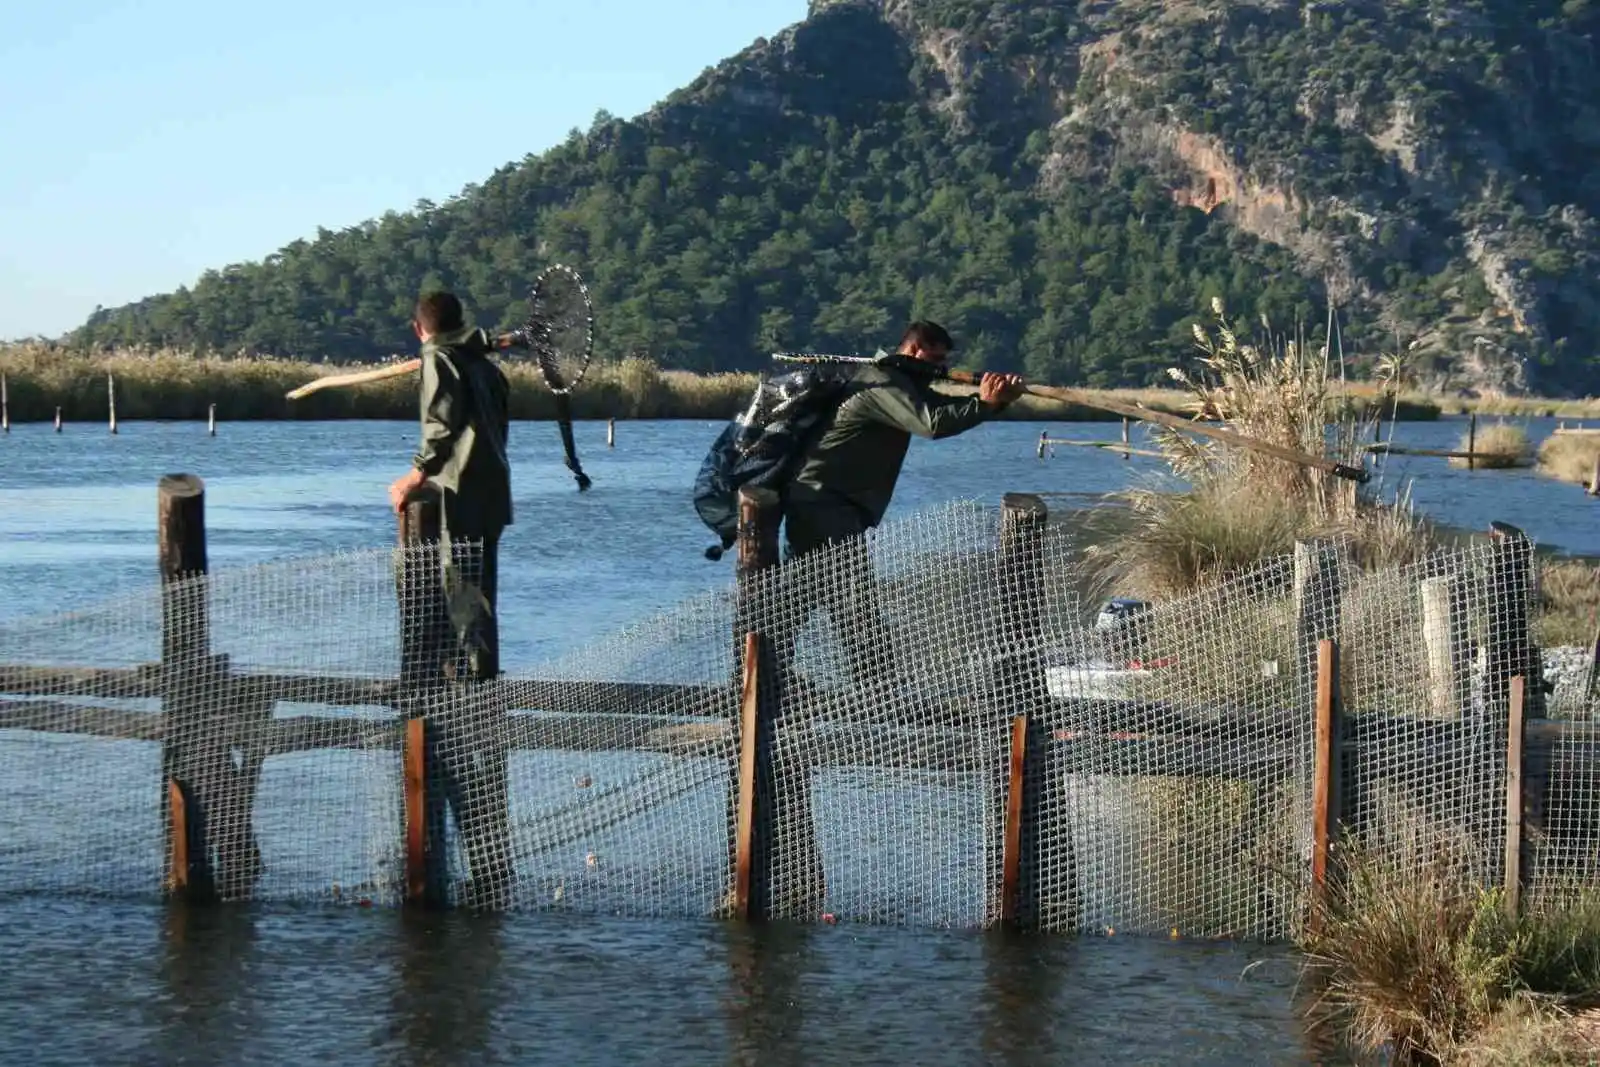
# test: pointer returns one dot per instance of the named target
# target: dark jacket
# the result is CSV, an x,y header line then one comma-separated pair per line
x,y
848,473
465,420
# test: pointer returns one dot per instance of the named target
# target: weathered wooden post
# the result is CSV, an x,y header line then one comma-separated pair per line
x,y
1516,800
1327,800
58,420
1513,685
1472,442
611,433
111,400
1317,603
211,420
425,649
1033,825
5,406
1443,639
211,758
1127,455
780,873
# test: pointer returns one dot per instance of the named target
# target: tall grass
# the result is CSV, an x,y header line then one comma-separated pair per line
x,y
180,384
1427,964
1569,457
1495,447
1242,506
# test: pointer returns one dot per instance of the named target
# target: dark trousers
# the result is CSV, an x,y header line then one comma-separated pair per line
x,y
827,567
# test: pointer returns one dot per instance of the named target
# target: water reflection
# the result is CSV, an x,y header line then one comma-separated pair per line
x,y
449,986
766,965
207,1003
1021,989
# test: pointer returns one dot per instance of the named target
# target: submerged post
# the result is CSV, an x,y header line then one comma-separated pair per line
x,y
58,420
784,859
188,747
1041,895
611,433
211,420
451,757
111,400
1472,442
5,406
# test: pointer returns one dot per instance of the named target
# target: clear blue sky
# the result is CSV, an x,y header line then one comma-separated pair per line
x,y
145,143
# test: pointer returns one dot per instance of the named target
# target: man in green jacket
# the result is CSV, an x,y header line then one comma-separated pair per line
x,y
847,476
465,421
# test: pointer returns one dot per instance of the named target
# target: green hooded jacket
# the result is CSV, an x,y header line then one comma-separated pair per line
x,y
847,475
465,406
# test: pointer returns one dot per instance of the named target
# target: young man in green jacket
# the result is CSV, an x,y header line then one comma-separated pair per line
x,y
847,477
465,421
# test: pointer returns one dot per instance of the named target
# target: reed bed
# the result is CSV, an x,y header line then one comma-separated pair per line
x,y
182,384
1569,457
1500,446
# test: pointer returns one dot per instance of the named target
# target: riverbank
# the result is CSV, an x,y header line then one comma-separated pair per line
x,y
171,384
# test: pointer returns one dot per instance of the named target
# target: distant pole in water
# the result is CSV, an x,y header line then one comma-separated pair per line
x,y
1472,441
111,400
211,421
1126,455
5,406
58,420
611,433
1044,440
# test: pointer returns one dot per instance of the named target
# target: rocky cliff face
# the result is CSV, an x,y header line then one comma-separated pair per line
x,y
1435,164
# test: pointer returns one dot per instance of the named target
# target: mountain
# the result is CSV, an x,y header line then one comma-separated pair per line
x,y
1065,185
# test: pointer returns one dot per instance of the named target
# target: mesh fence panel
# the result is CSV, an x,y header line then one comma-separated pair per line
x,y
1170,758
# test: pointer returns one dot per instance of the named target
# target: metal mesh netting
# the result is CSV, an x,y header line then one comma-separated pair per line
x,y
1169,763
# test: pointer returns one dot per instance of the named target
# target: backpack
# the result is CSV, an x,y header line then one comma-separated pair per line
x,y
762,446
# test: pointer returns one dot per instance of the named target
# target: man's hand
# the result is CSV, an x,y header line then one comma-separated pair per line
x,y
402,486
998,390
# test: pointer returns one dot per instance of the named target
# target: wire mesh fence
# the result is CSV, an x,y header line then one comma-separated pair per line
x,y
1164,778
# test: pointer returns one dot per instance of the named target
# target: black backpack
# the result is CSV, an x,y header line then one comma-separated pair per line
x,y
762,446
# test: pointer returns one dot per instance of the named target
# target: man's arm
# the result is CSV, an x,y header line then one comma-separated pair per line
x,y
918,409
444,414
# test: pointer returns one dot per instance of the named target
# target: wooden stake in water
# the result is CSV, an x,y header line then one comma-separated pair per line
x,y
111,400
211,421
611,433
58,420
1472,441
5,406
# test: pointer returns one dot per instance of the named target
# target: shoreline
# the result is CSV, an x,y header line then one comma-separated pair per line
x,y
179,386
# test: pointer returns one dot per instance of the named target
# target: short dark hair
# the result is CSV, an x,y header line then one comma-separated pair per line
x,y
439,312
928,335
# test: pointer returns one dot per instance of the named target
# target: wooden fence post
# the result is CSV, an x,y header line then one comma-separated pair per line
x,y
785,875
1444,644
1036,847
1510,648
1515,733
1326,798
439,741
211,754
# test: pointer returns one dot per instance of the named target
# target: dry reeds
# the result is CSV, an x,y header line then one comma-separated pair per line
x,y
1500,446
1426,963
1569,457
1243,507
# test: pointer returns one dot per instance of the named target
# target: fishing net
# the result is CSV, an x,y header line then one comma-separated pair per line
x,y
955,726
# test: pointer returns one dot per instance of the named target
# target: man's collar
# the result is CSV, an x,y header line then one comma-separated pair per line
x,y
452,337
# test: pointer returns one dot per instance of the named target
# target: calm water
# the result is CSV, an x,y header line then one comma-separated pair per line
x,y
127,982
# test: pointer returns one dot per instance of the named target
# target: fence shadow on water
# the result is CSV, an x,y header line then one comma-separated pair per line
x,y
929,728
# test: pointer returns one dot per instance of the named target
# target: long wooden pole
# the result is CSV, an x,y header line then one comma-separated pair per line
x,y
1084,398
1514,769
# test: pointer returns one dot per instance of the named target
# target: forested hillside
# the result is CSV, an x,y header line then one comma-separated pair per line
x,y
1066,185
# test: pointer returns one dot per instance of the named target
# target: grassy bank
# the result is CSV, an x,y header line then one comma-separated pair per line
x,y
171,384
1432,968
